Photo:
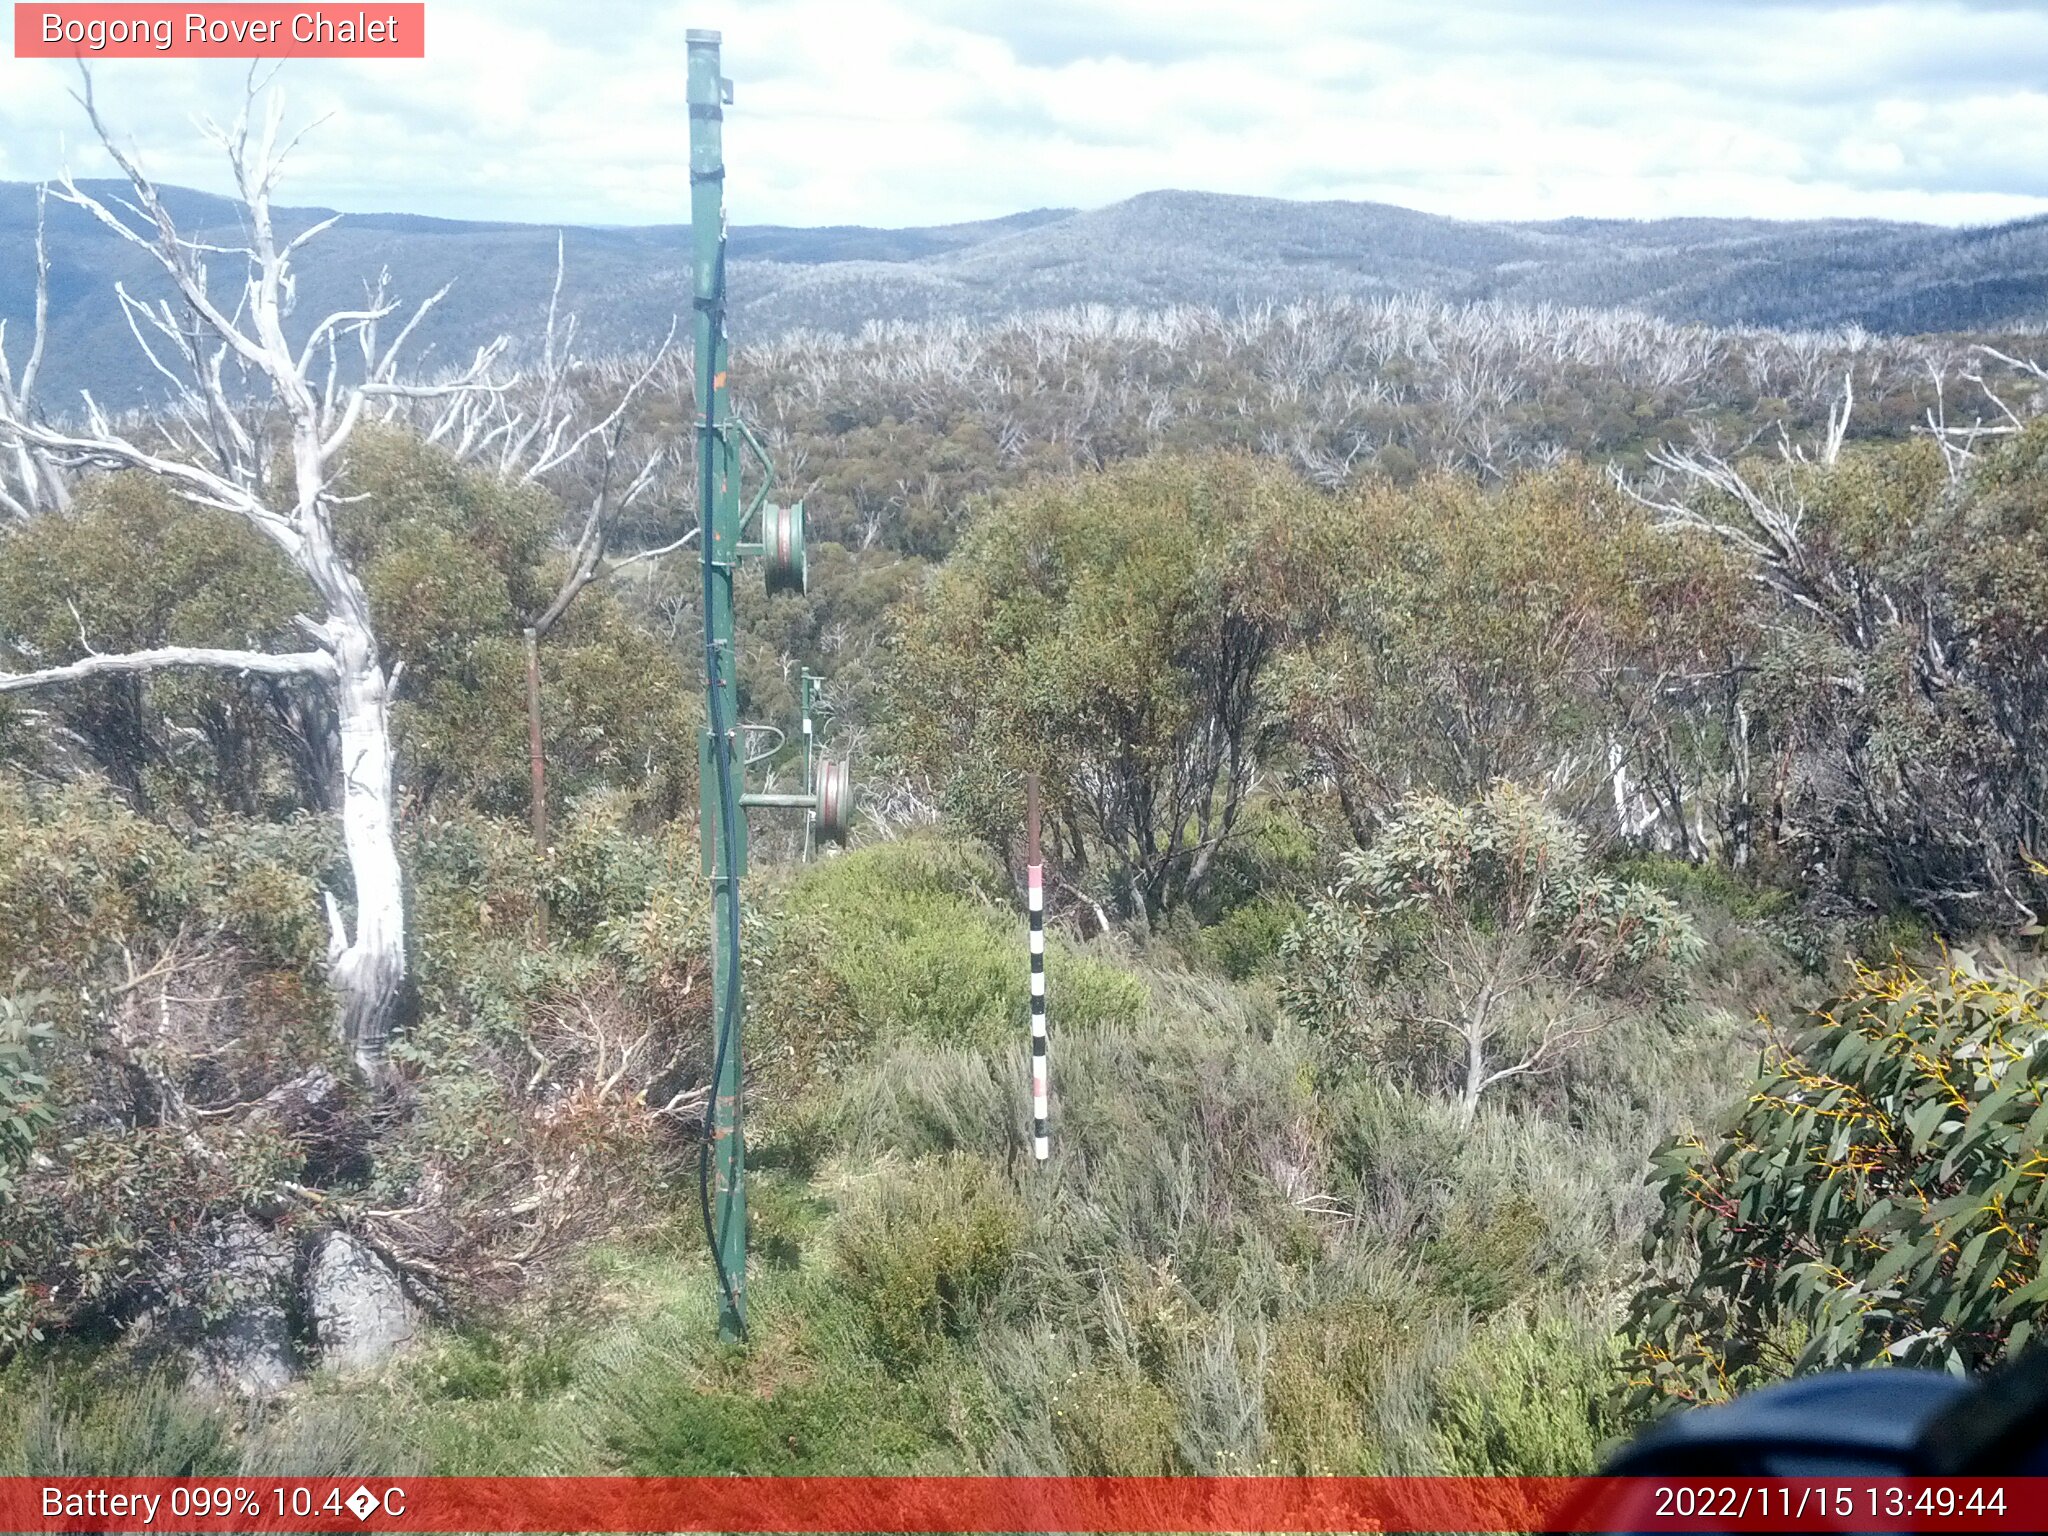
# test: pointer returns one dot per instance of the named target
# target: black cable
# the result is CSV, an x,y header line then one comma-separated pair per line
x,y
728,812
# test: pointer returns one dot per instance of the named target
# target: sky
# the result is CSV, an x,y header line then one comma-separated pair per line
x,y
905,112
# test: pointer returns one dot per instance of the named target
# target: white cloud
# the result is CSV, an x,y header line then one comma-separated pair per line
x,y
921,111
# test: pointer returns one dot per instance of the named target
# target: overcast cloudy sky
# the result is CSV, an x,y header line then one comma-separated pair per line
x,y
924,111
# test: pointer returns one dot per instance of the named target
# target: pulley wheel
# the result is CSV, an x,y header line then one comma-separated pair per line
x,y
835,800
782,548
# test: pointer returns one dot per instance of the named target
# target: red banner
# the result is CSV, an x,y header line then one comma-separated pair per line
x,y
1079,1504
216,31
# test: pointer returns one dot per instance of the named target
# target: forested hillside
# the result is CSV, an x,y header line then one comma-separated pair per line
x,y
1544,825
1156,250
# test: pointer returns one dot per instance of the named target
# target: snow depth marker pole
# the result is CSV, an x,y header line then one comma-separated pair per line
x,y
1034,878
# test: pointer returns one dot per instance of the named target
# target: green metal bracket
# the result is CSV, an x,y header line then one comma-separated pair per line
x,y
767,472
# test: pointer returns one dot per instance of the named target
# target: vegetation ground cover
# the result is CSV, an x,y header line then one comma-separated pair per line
x,y
1712,811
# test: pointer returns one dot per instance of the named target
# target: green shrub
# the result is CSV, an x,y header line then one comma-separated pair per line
x,y
1091,993
1900,934
1529,1399
1110,1421
1253,937
924,943
835,1424
784,1215
469,1366
1273,853
1486,1257
478,1364
1325,1368
597,872
909,936
80,874
665,1399
938,973
828,1426
1707,883
267,879
474,881
921,1256
1878,1198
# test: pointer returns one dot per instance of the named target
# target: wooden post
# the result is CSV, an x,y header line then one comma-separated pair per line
x,y
538,761
1034,879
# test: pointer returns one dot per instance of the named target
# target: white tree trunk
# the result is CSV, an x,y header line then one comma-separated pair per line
x,y
1475,1071
367,971
1472,1026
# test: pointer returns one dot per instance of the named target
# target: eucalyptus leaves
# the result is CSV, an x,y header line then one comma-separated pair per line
x,y
1881,1198
24,1095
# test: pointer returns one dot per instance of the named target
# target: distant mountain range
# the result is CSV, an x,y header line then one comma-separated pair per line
x,y
1156,249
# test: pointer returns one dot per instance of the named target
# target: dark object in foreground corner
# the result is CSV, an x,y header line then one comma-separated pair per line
x,y
1849,1424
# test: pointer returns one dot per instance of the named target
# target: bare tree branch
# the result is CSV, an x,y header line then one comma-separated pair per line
x,y
263,663
652,554
37,484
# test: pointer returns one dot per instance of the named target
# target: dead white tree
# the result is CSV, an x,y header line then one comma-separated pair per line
x,y
573,427
561,431
1960,441
1761,518
1829,451
214,446
29,483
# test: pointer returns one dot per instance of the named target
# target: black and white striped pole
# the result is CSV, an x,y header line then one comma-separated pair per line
x,y
1034,879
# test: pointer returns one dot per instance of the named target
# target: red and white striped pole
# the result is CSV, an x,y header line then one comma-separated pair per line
x,y
1034,878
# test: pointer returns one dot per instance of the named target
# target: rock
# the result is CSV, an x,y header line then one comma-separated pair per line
x,y
246,1350
360,1311
304,1098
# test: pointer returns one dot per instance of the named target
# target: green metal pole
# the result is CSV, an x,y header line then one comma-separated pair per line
x,y
724,824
